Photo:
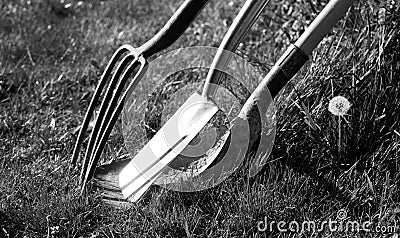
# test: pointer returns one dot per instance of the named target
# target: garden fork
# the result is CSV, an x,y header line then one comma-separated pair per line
x,y
112,104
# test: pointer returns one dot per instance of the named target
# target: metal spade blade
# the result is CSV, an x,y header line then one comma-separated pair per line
x,y
167,144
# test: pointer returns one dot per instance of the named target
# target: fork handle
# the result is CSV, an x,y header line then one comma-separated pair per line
x,y
174,28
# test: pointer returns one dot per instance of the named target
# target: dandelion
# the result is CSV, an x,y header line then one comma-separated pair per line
x,y
339,106
55,230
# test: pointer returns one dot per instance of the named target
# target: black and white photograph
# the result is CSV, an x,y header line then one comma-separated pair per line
x,y
199,118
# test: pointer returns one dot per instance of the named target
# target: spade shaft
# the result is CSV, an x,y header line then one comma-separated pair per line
x,y
147,165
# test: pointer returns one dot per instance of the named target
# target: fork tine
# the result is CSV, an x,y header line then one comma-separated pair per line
x,y
92,105
105,117
106,106
111,115
107,96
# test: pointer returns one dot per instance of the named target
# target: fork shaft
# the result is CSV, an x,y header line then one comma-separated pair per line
x,y
174,28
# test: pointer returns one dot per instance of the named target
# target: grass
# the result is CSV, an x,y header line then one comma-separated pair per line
x,y
51,60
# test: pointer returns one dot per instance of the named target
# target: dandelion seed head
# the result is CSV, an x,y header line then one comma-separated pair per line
x,y
339,106
381,16
55,230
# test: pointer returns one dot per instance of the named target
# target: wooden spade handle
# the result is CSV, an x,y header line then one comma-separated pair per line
x,y
322,24
289,64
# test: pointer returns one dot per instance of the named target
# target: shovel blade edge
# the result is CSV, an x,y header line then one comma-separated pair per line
x,y
137,176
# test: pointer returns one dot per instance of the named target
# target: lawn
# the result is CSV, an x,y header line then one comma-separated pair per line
x,y
52,55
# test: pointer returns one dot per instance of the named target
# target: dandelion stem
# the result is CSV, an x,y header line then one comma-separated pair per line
x,y
339,141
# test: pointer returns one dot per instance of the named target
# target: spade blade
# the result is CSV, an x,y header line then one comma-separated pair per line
x,y
167,144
